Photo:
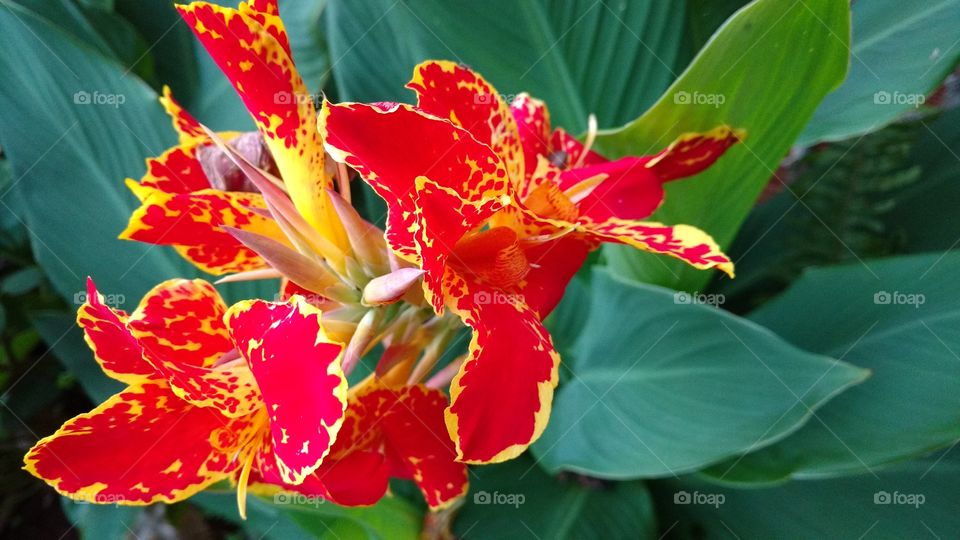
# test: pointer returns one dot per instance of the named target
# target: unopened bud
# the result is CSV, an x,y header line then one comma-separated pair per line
x,y
389,288
224,174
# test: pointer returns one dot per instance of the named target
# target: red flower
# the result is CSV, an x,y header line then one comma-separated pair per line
x,y
500,214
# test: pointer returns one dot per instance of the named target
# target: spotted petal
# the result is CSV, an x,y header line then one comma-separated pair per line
x,y
141,446
251,47
298,371
195,220
494,417
461,95
113,345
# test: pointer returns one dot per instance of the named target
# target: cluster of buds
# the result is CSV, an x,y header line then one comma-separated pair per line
x,y
491,212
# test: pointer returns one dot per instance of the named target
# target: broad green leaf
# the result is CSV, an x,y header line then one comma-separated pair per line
x,y
76,123
71,143
900,53
608,58
392,518
661,386
898,317
518,498
912,500
65,340
101,521
770,65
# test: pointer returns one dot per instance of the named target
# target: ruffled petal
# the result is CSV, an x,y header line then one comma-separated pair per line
x,y
502,396
462,96
417,439
297,369
196,220
438,181
141,446
181,321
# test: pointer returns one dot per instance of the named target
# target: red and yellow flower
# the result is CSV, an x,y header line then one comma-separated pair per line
x,y
208,391
257,393
499,213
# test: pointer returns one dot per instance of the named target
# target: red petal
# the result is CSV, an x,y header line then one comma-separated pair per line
x,y
298,371
533,124
114,347
182,321
142,445
176,170
464,97
552,265
501,397
417,437
627,189
196,220
693,152
183,122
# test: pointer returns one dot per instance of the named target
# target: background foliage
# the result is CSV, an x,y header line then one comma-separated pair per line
x,y
808,397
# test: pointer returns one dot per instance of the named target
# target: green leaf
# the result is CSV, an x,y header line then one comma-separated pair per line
x,y
580,56
22,281
770,64
518,497
900,53
70,155
661,386
75,125
897,317
65,340
392,518
912,500
101,521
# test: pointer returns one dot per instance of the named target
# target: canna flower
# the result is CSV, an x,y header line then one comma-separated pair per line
x,y
260,375
192,192
499,213
210,392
